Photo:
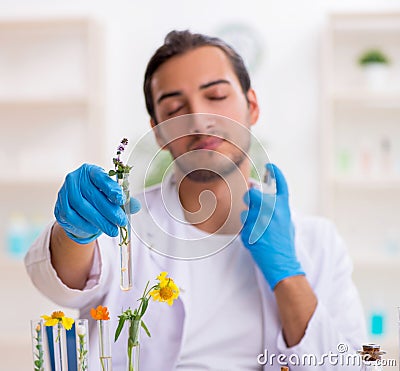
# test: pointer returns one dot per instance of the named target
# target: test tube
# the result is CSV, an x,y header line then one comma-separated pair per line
x,y
104,345
269,183
125,240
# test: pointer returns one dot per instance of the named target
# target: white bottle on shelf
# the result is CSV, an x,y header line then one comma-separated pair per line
x,y
367,160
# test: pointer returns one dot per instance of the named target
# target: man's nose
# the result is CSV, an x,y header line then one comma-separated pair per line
x,y
200,123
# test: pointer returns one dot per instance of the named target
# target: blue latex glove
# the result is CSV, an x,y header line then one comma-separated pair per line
x,y
268,231
89,203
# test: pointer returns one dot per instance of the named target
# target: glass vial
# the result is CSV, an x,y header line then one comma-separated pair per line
x,y
103,327
82,344
134,345
39,346
60,347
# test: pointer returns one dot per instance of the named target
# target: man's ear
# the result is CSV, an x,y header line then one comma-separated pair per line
x,y
159,139
254,109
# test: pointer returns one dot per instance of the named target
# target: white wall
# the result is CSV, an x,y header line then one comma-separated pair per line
x,y
287,83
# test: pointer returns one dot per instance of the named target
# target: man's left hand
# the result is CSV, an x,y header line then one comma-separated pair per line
x,y
268,231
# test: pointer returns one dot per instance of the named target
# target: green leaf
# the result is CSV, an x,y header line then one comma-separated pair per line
x,y
145,305
119,327
112,172
146,329
373,56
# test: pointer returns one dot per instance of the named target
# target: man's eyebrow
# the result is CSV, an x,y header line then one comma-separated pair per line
x,y
216,82
168,95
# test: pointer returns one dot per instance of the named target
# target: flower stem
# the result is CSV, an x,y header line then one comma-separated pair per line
x,y
130,357
59,345
124,236
101,345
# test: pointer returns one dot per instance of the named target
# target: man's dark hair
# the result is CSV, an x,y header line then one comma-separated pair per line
x,y
180,42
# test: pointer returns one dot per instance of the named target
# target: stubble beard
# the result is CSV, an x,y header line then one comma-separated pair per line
x,y
213,172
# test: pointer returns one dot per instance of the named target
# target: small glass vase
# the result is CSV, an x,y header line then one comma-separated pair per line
x,y
104,345
60,348
125,239
82,344
39,346
134,345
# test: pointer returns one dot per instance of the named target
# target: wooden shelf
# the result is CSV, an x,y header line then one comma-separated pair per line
x,y
367,183
49,182
42,102
379,99
61,22
379,262
365,22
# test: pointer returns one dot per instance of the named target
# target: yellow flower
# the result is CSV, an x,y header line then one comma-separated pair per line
x,y
58,317
166,290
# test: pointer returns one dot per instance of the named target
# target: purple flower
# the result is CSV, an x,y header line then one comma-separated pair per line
x,y
119,166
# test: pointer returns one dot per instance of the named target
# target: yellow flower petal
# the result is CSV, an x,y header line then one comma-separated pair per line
x,y
51,322
155,294
174,287
67,323
162,276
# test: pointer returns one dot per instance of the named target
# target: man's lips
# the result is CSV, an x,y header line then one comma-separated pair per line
x,y
208,143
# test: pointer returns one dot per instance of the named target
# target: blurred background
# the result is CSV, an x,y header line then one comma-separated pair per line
x,y
327,75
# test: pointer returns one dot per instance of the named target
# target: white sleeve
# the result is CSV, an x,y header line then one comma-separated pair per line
x,y
45,278
337,327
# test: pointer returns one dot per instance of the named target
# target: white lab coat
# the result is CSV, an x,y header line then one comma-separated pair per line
x,y
337,319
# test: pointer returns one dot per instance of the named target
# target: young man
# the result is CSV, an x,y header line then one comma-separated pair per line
x,y
288,291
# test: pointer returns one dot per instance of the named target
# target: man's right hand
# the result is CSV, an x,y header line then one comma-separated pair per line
x,y
89,203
